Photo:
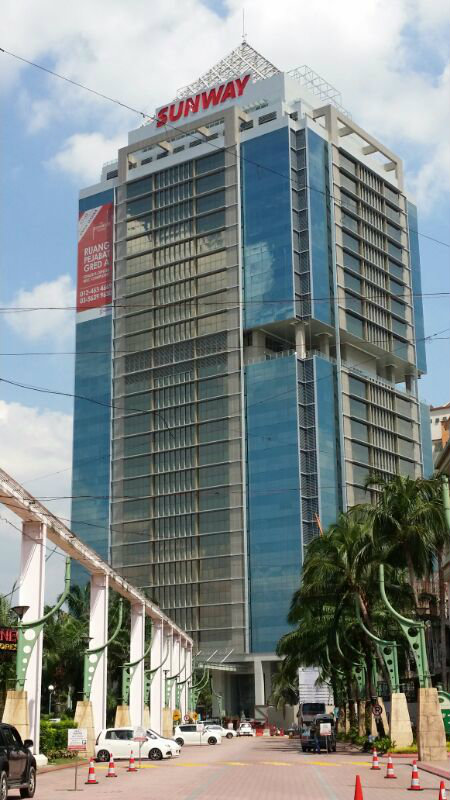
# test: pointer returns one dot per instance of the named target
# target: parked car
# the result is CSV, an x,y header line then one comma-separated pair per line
x,y
17,763
226,733
245,729
118,743
196,734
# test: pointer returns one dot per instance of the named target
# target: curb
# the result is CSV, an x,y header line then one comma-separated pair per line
x,y
441,773
58,767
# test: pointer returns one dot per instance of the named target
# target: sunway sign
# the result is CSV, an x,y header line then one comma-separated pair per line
x,y
202,101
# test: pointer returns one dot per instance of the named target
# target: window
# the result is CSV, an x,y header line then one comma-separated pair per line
x,y
210,222
213,453
356,387
360,452
394,251
396,270
350,222
391,195
359,430
347,164
396,288
139,206
214,161
392,213
405,448
210,182
360,474
403,406
349,202
398,308
355,325
352,283
141,225
358,409
348,183
406,468
354,304
350,242
213,261
139,187
351,262
399,328
393,232
210,201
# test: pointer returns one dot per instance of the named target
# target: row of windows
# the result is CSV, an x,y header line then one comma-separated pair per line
x,y
176,194
359,171
176,174
174,272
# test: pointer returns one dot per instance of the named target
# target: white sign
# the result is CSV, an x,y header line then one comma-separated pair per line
x,y
325,728
139,734
76,738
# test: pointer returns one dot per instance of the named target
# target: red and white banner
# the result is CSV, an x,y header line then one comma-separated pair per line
x,y
95,257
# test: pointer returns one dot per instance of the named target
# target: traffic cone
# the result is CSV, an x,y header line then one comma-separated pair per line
x,y
358,789
390,768
415,783
111,769
375,762
442,792
131,765
91,774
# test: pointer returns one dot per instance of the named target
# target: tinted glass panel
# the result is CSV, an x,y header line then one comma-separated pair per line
x,y
210,182
351,282
350,222
360,452
214,161
139,187
359,430
356,386
139,206
355,325
210,222
358,409
351,262
210,201
350,242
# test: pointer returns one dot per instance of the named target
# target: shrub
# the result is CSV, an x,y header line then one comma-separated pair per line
x,y
54,735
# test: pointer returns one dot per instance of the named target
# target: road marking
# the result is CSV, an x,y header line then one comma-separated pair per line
x,y
277,763
236,763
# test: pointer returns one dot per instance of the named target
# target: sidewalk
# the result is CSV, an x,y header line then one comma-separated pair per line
x,y
439,768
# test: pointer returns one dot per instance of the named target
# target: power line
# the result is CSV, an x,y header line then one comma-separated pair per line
x,y
152,117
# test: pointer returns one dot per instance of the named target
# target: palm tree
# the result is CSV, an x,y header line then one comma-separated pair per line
x,y
407,522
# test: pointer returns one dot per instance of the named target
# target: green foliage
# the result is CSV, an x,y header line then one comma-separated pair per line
x,y
54,736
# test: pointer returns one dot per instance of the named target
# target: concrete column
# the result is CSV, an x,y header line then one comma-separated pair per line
x,y
31,593
390,373
324,344
430,727
98,631
259,683
176,666
156,692
137,644
300,339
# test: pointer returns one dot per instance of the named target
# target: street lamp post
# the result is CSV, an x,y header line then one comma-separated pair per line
x,y
51,689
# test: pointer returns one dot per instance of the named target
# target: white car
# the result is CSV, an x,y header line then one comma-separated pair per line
x,y
196,734
118,743
245,729
226,733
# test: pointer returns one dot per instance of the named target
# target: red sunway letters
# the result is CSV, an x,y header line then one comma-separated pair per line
x,y
203,100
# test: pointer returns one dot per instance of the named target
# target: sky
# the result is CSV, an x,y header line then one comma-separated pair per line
x,y
390,61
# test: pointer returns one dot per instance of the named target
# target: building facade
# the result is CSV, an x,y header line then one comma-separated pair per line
x,y
440,429
265,343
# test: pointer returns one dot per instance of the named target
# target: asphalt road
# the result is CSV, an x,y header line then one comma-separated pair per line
x,y
244,769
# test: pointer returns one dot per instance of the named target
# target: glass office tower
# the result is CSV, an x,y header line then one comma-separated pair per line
x,y
266,342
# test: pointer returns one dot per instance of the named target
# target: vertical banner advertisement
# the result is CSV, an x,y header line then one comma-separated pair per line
x,y
95,255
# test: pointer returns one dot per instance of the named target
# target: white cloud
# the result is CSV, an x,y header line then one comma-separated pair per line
x,y
83,154
42,324
34,443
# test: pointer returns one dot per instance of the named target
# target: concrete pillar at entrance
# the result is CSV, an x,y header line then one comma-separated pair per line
x,y
300,340
84,719
156,692
400,728
431,742
16,712
188,672
176,666
146,718
260,699
122,718
137,644
31,593
98,631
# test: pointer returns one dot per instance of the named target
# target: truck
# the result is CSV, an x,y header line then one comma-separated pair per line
x,y
313,699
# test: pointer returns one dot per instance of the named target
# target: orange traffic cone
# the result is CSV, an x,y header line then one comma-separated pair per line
x,y
442,792
91,773
390,768
358,789
111,769
375,762
415,783
131,765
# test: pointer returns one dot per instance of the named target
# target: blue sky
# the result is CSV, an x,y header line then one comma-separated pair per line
x,y
390,61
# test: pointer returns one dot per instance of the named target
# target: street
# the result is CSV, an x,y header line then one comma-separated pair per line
x,y
244,769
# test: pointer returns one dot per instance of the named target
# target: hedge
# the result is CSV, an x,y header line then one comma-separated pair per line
x,y
54,735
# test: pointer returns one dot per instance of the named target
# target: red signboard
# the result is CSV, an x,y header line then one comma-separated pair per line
x,y
95,254
8,640
202,101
